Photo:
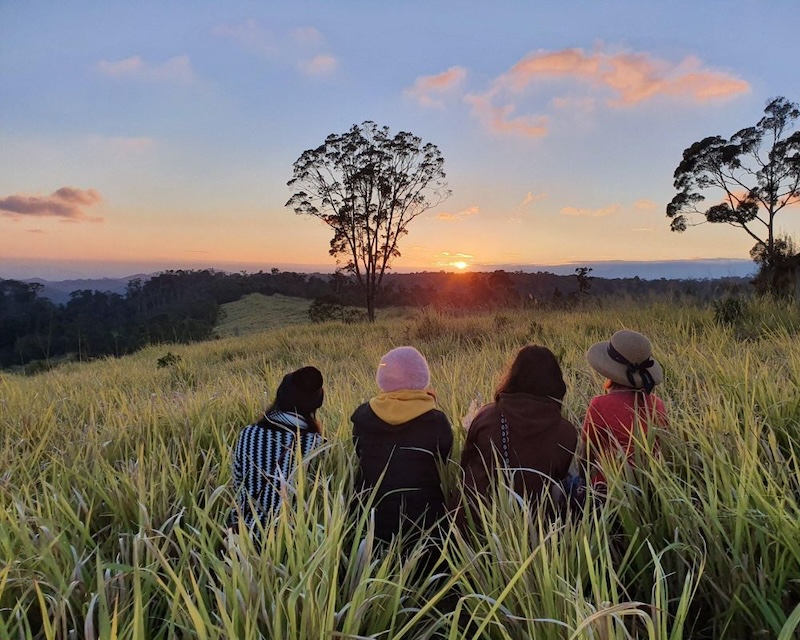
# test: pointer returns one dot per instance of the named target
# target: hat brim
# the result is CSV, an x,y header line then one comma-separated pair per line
x,y
598,358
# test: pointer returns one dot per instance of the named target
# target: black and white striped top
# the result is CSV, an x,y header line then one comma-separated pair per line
x,y
263,460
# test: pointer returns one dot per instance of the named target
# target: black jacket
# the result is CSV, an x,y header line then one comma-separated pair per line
x,y
402,461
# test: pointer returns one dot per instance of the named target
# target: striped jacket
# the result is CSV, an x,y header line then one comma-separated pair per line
x,y
263,460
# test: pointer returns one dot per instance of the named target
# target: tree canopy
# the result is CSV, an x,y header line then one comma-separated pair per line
x,y
755,173
368,185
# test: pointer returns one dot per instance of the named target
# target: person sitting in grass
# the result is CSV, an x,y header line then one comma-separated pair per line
x,y
401,440
619,417
522,432
265,453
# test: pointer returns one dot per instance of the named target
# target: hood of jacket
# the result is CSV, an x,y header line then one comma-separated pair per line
x,y
528,413
399,407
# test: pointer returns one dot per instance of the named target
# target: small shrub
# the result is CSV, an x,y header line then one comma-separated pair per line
x,y
501,322
167,360
729,311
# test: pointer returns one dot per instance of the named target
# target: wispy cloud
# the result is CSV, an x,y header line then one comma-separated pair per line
x,y
590,213
302,46
645,204
431,91
177,69
530,198
500,119
35,231
459,215
68,203
308,36
458,260
250,35
323,64
123,144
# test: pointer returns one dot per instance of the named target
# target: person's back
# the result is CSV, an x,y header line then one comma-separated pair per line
x,y
401,440
523,430
541,444
265,453
615,421
402,461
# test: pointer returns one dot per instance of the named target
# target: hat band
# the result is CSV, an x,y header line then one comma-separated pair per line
x,y
642,368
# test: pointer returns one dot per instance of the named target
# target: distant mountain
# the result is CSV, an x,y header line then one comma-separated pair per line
x,y
58,291
710,268
713,268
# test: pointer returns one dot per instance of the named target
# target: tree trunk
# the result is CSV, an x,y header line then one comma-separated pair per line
x,y
371,305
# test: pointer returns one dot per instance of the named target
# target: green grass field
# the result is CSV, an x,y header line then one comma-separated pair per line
x,y
115,482
256,312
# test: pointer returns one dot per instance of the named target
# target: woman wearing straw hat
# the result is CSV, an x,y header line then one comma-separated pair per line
x,y
265,453
615,420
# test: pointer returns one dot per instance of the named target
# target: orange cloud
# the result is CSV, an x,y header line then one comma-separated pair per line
x,y
622,78
177,69
590,213
430,91
500,120
67,203
631,77
532,198
450,217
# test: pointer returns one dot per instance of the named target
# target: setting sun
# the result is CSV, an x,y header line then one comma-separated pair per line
x,y
460,265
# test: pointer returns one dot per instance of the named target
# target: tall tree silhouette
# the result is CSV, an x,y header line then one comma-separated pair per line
x,y
755,173
368,185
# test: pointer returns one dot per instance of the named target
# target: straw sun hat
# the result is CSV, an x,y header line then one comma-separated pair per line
x,y
626,359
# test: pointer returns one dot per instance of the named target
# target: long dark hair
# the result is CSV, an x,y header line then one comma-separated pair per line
x,y
299,392
535,370
314,425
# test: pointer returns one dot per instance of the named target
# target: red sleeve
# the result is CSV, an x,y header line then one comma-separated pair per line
x,y
594,429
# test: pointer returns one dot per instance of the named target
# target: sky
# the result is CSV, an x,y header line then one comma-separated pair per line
x,y
145,135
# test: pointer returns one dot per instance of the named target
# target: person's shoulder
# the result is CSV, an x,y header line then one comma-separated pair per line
x,y
441,419
488,415
567,428
247,429
361,411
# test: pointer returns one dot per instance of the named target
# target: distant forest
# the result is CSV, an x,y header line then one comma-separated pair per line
x,y
184,306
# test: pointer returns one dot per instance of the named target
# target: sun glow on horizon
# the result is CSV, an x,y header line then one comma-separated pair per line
x,y
460,265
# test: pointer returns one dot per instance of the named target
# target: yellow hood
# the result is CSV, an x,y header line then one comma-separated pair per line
x,y
398,407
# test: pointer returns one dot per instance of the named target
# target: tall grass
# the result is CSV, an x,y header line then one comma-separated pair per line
x,y
115,484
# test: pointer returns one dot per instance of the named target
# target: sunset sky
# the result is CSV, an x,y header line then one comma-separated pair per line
x,y
143,135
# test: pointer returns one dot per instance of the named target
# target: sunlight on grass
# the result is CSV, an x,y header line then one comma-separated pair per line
x,y
114,481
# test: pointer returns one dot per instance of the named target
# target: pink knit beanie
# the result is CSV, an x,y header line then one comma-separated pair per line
x,y
403,368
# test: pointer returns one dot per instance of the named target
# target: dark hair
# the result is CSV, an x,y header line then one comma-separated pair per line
x,y
301,392
535,370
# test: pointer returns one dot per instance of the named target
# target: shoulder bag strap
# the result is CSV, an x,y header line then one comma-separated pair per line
x,y
504,439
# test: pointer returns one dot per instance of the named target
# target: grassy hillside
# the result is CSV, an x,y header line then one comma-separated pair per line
x,y
257,312
115,481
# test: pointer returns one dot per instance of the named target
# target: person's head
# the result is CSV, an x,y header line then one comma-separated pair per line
x,y
536,371
403,368
301,392
626,360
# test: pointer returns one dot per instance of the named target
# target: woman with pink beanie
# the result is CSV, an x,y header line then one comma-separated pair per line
x,y
401,440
